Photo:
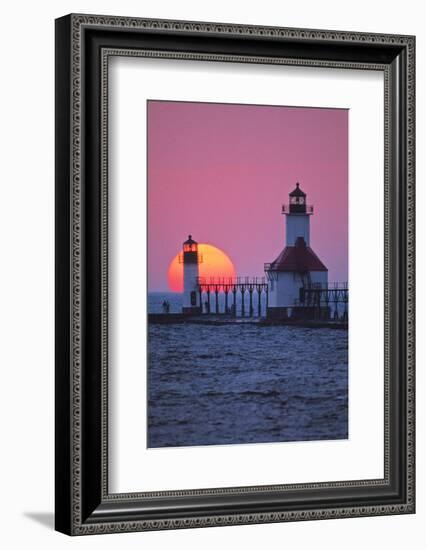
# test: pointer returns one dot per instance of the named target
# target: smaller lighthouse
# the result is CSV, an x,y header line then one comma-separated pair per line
x,y
191,260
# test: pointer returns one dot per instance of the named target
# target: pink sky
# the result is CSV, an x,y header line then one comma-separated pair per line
x,y
221,172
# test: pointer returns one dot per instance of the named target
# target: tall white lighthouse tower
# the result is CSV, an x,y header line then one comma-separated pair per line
x,y
297,266
297,217
190,259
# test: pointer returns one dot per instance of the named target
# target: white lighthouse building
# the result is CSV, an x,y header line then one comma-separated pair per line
x,y
297,267
191,260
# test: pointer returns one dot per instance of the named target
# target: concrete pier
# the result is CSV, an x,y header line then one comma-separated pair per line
x,y
180,318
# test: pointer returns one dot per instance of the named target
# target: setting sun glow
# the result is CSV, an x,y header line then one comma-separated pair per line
x,y
215,263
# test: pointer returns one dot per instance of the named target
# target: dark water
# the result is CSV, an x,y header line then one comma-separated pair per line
x,y
211,385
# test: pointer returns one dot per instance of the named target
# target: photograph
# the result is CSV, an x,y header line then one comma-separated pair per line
x,y
247,259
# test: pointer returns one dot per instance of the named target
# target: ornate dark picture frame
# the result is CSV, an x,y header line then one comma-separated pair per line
x,y
84,44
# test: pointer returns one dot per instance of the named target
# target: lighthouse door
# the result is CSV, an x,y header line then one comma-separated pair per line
x,y
193,298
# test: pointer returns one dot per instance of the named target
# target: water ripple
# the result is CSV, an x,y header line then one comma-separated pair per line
x,y
233,384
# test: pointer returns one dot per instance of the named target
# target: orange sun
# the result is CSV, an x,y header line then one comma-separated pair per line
x,y
215,263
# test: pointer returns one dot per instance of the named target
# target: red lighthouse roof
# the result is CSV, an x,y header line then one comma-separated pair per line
x,y
299,258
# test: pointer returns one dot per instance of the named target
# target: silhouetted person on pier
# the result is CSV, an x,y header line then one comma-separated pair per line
x,y
166,306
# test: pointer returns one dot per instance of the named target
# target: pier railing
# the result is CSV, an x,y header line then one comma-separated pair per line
x,y
235,291
231,280
249,297
334,297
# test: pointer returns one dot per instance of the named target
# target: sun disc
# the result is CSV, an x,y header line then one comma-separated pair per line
x,y
214,263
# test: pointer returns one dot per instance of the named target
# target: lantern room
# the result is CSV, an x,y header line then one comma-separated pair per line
x,y
297,201
190,245
190,252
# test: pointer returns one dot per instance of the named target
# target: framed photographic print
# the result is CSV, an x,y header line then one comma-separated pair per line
x,y
234,274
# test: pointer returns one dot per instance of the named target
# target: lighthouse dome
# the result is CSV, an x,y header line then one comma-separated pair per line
x,y
297,192
190,240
